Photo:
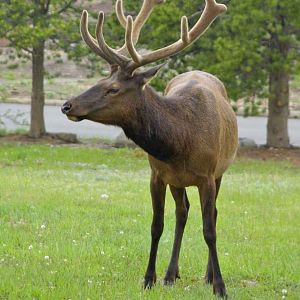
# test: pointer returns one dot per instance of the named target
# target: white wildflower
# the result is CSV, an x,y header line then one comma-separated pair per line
x,y
104,197
43,226
30,247
46,257
284,292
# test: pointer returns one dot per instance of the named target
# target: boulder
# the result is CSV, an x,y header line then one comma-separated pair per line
x,y
66,137
122,141
247,143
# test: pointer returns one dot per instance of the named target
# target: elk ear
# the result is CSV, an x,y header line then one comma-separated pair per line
x,y
146,76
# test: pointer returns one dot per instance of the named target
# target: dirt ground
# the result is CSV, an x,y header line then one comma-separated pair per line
x,y
51,139
291,155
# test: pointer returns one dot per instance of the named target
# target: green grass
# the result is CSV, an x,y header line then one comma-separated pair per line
x,y
4,131
295,82
61,240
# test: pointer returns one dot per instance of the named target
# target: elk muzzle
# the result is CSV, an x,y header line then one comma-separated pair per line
x,y
66,109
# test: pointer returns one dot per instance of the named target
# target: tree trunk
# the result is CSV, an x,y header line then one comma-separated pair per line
x,y
37,124
277,128
277,135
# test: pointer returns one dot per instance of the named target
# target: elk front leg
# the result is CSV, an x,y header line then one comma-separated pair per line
x,y
158,193
209,270
182,208
208,207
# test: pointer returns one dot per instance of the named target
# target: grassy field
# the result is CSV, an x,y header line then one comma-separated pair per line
x,y
75,224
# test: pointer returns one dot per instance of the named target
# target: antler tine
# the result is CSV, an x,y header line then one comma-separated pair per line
x,y
140,20
129,41
108,51
120,13
142,17
89,40
185,30
211,11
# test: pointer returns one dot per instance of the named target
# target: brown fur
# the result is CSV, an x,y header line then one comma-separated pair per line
x,y
212,130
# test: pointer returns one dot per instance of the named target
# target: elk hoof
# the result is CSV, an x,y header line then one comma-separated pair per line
x,y
171,277
220,290
208,279
169,281
149,281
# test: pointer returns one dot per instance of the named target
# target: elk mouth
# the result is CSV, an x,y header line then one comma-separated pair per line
x,y
75,118
67,109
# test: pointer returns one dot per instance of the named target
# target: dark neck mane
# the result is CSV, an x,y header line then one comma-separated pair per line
x,y
153,126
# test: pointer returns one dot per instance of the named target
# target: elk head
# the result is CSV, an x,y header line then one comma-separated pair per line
x,y
113,99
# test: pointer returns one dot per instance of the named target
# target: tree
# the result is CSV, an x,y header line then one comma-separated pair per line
x,y
32,25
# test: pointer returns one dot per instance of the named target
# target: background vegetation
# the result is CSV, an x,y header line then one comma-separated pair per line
x,y
34,26
253,48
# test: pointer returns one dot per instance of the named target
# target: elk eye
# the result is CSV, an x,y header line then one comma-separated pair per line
x,y
113,91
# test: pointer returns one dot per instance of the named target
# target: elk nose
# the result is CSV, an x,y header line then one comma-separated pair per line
x,y
66,107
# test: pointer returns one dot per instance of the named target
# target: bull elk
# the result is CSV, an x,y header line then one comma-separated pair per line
x,y
189,133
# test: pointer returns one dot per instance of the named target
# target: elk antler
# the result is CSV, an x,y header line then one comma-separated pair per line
x,y
211,11
133,29
100,47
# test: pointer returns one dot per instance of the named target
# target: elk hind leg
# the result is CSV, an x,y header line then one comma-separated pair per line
x,y
208,207
209,270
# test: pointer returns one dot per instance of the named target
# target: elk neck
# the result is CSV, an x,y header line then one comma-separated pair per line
x,y
155,127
